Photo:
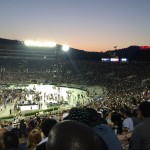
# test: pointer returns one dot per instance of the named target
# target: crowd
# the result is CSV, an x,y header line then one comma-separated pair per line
x,y
117,120
80,128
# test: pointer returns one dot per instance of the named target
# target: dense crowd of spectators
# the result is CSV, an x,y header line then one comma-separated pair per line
x,y
112,117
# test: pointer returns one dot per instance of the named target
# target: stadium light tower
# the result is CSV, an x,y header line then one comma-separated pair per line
x,y
65,48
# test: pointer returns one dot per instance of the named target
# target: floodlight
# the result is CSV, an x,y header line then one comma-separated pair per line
x,y
65,48
39,44
28,43
49,44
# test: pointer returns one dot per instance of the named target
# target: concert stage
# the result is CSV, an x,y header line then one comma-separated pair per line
x,y
28,107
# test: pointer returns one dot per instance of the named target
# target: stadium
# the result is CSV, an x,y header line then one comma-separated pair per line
x,y
31,65
40,79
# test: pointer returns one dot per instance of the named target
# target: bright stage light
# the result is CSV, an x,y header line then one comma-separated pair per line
x,y
39,44
124,59
65,48
114,59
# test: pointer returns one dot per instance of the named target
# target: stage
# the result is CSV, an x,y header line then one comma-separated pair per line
x,y
28,107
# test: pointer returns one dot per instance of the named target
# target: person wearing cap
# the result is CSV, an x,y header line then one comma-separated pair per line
x,y
90,117
46,126
140,139
78,114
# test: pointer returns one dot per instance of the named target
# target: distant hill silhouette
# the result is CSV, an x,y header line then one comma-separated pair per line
x,y
132,53
135,53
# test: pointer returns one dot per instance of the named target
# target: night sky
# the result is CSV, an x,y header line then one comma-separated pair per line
x,y
93,25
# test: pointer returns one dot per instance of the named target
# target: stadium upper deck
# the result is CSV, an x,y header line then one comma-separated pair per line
x,y
16,49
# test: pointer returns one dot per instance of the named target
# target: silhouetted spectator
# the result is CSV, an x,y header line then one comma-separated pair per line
x,y
10,141
72,135
140,139
46,126
2,132
34,138
104,131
